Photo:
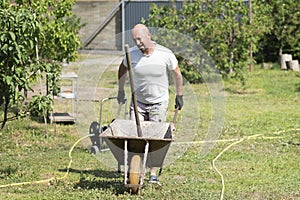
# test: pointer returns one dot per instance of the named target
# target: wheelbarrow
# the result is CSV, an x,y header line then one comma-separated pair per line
x,y
137,153
131,151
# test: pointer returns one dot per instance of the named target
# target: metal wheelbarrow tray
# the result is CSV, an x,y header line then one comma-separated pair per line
x,y
138,153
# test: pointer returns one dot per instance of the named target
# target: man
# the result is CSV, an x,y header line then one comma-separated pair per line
x,y
150,62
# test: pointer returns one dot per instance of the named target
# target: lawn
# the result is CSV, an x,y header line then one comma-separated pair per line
x,y
257,153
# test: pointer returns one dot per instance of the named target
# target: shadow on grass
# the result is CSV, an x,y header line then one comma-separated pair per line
x,y
102,179
7,171
298,87
241,92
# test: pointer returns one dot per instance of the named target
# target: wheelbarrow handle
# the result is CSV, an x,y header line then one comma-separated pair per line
x,y
174,120
119,110
175,116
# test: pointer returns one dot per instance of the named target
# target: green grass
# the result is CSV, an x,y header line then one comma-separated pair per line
x,y
257,168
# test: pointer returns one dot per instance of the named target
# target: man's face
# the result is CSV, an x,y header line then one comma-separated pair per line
x,y
141,38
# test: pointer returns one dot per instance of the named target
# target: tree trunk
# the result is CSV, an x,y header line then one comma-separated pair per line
x,y
6,100
280,50
251,48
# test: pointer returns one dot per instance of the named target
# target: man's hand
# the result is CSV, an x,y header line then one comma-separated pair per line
x,y
179,102
121,97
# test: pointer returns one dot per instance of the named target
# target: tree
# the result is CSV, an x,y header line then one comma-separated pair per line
x,y
286,28
35,37
222,27
20,32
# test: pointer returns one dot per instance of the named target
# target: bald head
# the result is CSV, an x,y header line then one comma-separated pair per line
x,y
142,37
141,29
137,26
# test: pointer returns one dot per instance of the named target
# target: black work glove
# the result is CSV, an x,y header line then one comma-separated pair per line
x,y
179,102
121,97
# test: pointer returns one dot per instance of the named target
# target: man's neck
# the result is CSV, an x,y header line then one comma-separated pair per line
x,y
150,49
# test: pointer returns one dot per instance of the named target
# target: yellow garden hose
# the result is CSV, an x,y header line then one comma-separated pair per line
x,y
53,178
235,142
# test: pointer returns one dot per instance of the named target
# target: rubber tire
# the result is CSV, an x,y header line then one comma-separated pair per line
x,y
94,150
135,172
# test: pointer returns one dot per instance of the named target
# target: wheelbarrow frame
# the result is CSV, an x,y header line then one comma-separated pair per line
x,y
124,147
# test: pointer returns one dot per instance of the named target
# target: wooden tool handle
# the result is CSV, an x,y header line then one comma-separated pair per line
x,y
137,120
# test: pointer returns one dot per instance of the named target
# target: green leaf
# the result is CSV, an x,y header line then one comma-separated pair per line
x,y
8,80
4,48
12,36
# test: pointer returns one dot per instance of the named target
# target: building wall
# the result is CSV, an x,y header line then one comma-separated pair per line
x,y
93,12
136,10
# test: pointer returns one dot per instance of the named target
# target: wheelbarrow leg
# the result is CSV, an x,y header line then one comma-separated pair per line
x,y
144,163
160,170
125,161
119,167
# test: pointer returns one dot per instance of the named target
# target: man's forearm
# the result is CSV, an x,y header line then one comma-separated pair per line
x,y
122,74
177,77
122,82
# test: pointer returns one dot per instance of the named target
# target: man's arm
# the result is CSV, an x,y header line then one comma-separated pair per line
x,y
178,84
177,77
122,74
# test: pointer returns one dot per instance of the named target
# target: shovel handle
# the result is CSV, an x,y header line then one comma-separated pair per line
x,y
137,120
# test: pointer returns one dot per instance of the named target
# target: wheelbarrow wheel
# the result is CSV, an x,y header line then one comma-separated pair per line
x,y
134,173
94,149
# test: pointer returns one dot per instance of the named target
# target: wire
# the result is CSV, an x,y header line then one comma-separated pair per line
x,y
214,166
226,140
219,155
53,178
237,142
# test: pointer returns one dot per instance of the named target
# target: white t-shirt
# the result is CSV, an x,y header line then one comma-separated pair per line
x,y
150,73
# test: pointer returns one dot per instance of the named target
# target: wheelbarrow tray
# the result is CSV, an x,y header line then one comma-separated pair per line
x,y
157,134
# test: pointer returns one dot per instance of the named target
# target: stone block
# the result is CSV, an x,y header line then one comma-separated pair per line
x,y
293,65
284,59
